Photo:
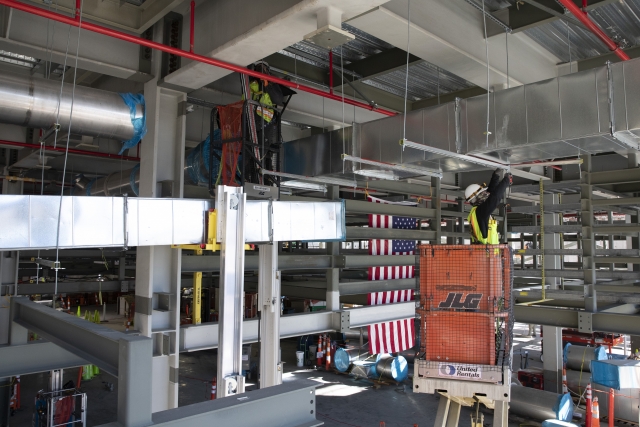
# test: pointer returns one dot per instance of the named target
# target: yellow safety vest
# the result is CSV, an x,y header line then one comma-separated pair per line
x,y
264,99
476,235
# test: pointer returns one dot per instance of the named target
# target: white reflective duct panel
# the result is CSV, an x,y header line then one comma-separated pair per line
x,y
31,222
300,221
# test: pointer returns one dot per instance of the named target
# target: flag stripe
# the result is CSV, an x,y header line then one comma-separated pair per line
x,y
395,336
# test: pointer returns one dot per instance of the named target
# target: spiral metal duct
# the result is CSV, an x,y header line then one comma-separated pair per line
x,y
578,357
116,184
392,368
539,404
33,102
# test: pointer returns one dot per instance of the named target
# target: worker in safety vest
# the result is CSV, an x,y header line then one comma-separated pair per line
x,y
263,91
485,199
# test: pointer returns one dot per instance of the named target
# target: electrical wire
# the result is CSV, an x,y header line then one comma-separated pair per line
x,y
569,43
406,76
344,148
506,42
66,154
486,47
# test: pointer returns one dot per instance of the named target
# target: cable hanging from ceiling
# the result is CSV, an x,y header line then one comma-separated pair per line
x,y
79,5
486,47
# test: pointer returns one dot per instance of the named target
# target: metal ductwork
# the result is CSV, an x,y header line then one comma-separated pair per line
x,y
593,111
33,102
115,184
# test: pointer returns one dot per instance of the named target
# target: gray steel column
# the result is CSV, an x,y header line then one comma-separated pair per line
x,y
588,237
552,342
333,274
552,364
134,372
269,304
551,241
8,281
230,204
158,268
437,205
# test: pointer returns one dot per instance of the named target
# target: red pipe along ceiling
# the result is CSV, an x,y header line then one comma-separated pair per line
x,y
587,22
71,151
183,53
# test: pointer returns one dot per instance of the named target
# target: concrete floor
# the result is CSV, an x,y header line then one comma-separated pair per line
x,y
342,400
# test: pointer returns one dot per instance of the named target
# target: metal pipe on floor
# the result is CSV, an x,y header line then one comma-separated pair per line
x,y
577,381
579,357
536,404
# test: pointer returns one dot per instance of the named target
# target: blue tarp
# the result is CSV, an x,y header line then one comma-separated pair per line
x,y
564,407
197,161
139,123
616,374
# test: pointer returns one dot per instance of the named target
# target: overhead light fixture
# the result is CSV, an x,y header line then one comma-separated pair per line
x,y
320,179
391,166
300,185
450,154
378,174
549,163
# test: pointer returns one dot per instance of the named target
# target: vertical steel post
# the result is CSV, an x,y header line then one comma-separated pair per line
x,y
437,205
8,281
230,204
588,237
333,274
134,381
552,343
269,300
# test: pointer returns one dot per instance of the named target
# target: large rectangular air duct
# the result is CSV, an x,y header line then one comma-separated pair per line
x,y
593,111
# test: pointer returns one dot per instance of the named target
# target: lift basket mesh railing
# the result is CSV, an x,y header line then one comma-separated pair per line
x,y
466,312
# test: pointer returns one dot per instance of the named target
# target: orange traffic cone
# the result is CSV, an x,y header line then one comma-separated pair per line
x,y
588,415
328,360
319,353
565,388
214,388
595,413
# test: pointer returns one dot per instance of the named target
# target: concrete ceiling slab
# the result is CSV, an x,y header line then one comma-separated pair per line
x,y
227,31
450,35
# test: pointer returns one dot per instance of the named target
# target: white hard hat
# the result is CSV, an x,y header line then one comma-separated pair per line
x,y
473,191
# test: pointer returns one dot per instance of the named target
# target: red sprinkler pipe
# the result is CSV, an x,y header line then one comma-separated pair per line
x,y
183,53
77,15
331,71
192,27
584,18
71,151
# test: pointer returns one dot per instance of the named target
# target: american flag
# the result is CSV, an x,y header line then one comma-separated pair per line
x,y
395,336
392,247
391,337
